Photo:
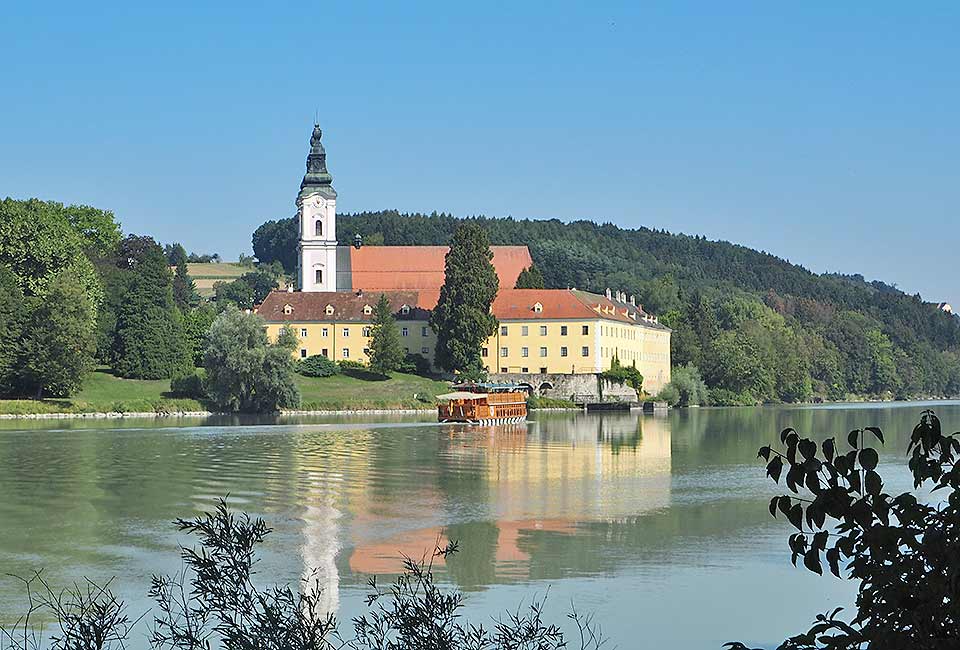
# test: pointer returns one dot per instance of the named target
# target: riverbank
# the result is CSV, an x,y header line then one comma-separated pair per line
x,y
107,396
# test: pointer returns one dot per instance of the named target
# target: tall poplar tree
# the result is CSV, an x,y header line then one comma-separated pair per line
x,y
386,352
462,317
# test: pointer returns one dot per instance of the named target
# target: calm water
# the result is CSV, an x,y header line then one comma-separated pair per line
x,y
657,524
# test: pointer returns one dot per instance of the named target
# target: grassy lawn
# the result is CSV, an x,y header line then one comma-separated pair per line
x,y
104,393
361,390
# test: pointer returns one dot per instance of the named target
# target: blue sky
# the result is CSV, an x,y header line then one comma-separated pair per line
x,y
823,132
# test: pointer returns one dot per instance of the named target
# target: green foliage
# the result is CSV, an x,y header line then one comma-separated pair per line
x,y
818,324
246,291
530,278
628,375
417,364
386,350
902,550
538,402
350,364
690,387
462,318
97,228
59,343
277,241
38,242
184,291
317,365
669,394
176,254
149,342
245,372
196,325
191,384
13,320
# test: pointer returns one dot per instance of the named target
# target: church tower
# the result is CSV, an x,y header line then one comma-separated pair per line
x,y
317,207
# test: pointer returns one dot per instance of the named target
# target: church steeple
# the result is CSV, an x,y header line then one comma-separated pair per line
x,y
317,180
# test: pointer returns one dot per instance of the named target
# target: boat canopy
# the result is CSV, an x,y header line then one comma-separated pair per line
x,y
461,394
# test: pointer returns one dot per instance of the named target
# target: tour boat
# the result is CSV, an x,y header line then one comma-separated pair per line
x,y
483,404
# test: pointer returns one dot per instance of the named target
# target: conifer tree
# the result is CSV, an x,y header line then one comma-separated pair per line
x,y
150,341
462,318
386,352
184,291
530,278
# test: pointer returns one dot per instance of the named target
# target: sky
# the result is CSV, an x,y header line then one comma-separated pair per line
x,y
823,132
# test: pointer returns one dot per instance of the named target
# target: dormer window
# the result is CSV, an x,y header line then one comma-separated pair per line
x,y
537,307
329,310
367,309
405,309
287,309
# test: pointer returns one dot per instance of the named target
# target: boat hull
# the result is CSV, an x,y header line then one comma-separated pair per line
x,y
486,421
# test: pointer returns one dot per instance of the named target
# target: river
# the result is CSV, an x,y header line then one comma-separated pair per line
x,y
657,524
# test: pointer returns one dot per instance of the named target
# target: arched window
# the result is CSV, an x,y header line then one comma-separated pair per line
x,y
318,276
318,228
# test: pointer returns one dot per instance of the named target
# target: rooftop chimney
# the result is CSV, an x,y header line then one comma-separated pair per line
x,y
358,241
633,300
607,293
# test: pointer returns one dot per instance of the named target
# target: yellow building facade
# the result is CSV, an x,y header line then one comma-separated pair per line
x,y
550,331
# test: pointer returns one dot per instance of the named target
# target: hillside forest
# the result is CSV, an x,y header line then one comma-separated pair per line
x,y
755,327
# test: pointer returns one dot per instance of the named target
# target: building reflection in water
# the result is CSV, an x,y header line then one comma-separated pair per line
x,y
504,487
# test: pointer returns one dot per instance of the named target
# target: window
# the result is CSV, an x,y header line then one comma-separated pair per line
x,y
405,331
524,330
366,351
367,309
318,228
345,353
584,351
524,369
324,332
537,307
585,330
503,330
504,352
543,351
366,331
563,351
424,332
543,371
303,332
287,309
563,330
524,352
503,369
329,310
427,351
325,352
483,352
303,353
318,276
346,332
543,330
404,309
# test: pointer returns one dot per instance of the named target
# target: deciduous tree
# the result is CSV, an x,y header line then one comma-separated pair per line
x,y
386,351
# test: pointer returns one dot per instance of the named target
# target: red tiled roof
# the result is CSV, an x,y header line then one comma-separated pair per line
x,y
510,304
311,306
421,267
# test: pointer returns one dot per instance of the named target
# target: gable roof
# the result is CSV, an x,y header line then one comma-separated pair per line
x,y
311,306
412,268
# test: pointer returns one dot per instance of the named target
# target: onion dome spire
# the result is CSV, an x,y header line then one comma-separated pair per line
x,y
317,179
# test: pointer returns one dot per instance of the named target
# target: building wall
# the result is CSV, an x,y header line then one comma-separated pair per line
x,y
318,251
648,347
349,341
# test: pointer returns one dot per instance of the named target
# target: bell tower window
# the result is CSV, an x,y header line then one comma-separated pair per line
x,y
318,228
318,276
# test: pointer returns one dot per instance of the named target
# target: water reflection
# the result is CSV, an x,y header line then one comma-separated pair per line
x,y
637,515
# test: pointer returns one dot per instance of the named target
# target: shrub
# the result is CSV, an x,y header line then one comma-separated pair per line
x,y
904,550
317,365
189,384
348,364
669,394
416,364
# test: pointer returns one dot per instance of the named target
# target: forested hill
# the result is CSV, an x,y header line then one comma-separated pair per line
x,y
758,327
